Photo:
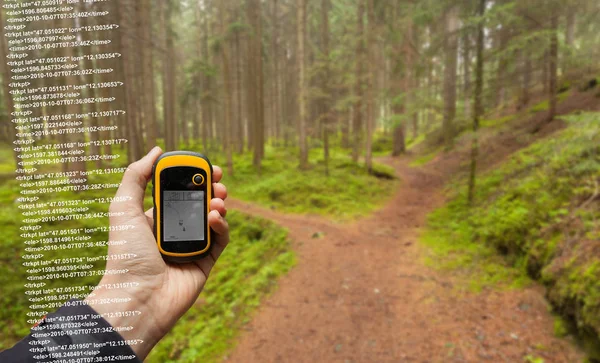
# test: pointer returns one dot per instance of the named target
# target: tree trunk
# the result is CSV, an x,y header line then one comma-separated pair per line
x,y
147,56
169,99
450,49
553,66
413,78
545,70
303,112
239,137
399,87
69,52
358,93
370,84
467,72
525,92
325,105
228,97
256,84
478,104
205,100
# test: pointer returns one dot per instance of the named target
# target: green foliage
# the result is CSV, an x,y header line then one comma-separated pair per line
x,y
349,190
383,145
544,105
7,165
533,359
13,273
247,271
522,209
452,246
424,159
560,327
498,121
258,254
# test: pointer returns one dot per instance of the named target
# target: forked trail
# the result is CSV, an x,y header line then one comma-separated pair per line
x,y
361,293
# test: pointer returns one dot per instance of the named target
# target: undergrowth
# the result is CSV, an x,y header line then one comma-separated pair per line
x,y
348,192
258,254
247,270
540,210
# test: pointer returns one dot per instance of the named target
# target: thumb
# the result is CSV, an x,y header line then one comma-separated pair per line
x,y
133,184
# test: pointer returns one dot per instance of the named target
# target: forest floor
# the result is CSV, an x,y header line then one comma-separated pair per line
x,y
361,291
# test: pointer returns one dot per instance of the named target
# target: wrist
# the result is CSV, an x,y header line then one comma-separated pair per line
x,y
129,314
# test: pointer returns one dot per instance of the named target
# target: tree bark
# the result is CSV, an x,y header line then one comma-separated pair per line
x,y
228,97
255,88
525,90
450,48
478,104
302,102
205,101
358,92
553,66
370,84
467,72
399,87
325,105
169,99
147,56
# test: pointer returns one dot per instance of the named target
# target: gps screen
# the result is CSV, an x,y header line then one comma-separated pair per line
x,y
183,215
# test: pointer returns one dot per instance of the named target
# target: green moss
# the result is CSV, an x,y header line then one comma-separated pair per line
x,y
533,359
457,249
544,105
498,121
382,145
348,192
246,272
560,327
520,211
7,165
413,142
424,159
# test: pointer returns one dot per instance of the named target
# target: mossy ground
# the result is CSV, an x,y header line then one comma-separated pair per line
x,y
248,270
534,209
259,253
544,105
349,191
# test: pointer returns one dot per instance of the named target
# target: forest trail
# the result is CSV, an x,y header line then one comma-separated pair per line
x,y
361,293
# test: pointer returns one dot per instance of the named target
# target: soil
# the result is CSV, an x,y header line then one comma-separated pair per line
x,y
362,293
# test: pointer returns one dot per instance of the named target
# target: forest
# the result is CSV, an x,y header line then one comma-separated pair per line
x,y
457,141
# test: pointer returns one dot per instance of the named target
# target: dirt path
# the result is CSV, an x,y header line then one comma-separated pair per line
x,y
361,293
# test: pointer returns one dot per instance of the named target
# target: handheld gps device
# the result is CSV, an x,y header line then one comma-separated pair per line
x,y
182,191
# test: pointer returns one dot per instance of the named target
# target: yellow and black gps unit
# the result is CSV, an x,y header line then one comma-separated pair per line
x,y
182,191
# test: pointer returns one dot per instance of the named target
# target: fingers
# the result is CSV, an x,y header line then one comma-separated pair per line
x,y
217,174
218,205
219,225
133,184
219,191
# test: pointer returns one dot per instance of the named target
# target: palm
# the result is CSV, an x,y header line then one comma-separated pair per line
x,y
177,285
162,291
164,284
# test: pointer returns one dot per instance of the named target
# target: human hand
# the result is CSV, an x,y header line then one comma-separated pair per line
x,y
161,292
